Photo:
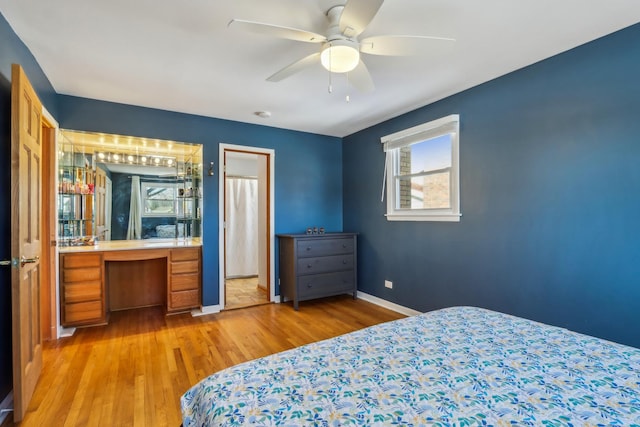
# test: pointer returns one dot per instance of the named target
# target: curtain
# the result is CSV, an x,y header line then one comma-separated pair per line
x,y
242,227
135,211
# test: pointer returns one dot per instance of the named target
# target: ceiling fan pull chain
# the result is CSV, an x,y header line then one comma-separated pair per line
x,y
348,98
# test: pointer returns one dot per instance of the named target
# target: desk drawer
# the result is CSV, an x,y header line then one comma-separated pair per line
x,y
83,312
325,264
322,246
184,299
319,285
70,275
82,292
81,260
185,267
186,254
182,282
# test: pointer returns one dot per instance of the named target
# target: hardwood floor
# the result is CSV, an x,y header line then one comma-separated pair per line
x,y
244,292
134,370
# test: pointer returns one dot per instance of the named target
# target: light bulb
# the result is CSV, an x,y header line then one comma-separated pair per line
x,y
340,56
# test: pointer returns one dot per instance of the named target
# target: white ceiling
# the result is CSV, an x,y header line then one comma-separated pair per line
x,y
180,56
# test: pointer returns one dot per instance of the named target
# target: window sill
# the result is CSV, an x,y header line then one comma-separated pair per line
x,y
437,217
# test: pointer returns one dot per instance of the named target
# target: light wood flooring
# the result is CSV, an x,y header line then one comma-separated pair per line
x,y
133,371
244,292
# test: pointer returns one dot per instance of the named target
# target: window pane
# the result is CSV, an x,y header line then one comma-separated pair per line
x,y
425,156
157,207
429,190
425,192
159,199
159,193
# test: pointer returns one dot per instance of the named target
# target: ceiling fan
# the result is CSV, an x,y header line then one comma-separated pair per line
x,y
340,48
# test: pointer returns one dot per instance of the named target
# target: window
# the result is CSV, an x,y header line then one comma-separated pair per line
x,y
158,198
422,174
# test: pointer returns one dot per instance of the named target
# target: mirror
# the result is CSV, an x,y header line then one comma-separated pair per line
x,y
114,187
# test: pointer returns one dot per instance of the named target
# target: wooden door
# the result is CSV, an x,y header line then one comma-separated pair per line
x,y
26,197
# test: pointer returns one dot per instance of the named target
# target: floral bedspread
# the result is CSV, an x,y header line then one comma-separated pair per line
x,y
460,366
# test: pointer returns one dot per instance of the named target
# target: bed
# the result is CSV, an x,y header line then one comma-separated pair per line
x,y
460,366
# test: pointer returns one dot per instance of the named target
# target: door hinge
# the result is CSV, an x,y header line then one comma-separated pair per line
x,y
12,262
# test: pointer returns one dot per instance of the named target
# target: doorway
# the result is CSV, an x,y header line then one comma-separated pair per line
x,y
246,183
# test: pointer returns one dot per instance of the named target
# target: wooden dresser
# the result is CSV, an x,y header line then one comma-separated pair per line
x,y
315,266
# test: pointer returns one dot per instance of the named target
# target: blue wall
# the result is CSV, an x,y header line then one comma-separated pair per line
x,y
308,167
12,50
550,196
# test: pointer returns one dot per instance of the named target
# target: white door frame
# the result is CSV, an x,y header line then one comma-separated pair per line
x,y
271,244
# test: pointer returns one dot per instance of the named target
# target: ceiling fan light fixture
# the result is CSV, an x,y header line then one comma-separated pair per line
x,y
340,56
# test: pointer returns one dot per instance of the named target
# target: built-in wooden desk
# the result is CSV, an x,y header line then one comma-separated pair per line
x,y
124,274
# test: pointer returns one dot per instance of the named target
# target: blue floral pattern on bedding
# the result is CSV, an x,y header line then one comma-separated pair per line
x,y
460,366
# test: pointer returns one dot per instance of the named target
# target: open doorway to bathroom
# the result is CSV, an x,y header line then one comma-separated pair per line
x,y
247,228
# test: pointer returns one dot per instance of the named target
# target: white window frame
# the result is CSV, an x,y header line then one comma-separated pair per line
x,y
146,184
392,144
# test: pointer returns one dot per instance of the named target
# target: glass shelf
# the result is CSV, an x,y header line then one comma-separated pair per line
x,y
76,178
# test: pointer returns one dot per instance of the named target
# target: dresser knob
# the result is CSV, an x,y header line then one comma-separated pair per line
x,y
308,248
344,261
308,265
309,285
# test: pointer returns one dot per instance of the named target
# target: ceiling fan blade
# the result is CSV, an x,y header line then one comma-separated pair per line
x,y
360,78
277,31
357,14
401,45
297,66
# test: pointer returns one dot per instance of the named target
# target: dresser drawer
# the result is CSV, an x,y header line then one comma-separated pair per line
x,y
325,264
319,285
321,247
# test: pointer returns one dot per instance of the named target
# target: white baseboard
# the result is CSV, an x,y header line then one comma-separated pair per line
x,y
204,310
388,304
66,332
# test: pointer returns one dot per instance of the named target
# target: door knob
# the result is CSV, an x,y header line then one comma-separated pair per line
x,y
24,260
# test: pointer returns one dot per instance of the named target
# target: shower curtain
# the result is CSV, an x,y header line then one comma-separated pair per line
x,y
134,231
242,227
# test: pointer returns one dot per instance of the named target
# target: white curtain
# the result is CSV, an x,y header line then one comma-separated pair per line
x,y
135,211
242,227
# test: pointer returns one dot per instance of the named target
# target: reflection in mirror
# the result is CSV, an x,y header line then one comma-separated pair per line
x,y
113,187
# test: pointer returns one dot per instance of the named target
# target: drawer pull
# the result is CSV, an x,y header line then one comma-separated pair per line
x,y
309,266
344,245
308,248
344,261
309,285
